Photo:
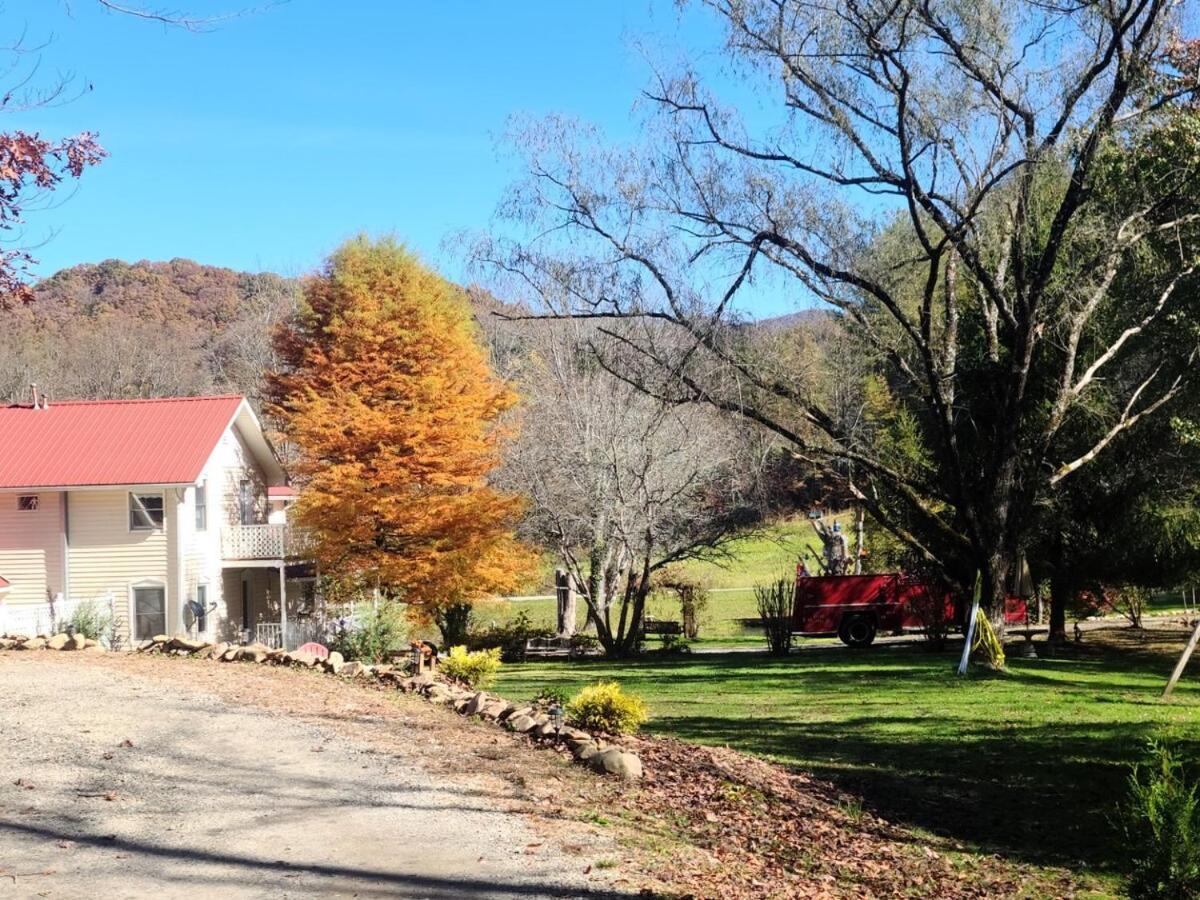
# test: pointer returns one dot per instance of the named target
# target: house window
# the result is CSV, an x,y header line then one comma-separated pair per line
x,y
149,612
145,512
202,507
245,504
202,608
28,503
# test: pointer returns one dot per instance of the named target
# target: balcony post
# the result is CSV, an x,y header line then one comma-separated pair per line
x,y
283,605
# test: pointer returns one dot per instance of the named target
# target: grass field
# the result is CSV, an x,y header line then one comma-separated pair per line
x,y
1028,764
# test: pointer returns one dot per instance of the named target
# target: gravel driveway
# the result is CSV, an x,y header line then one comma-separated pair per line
x,y
115,783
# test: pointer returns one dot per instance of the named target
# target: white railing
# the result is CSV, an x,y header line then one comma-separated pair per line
x,y
260,542
39,618
298,634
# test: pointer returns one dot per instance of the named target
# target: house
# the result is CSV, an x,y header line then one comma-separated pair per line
x,y
173,512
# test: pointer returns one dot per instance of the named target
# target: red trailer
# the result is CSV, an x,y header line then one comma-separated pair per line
x,y
855,607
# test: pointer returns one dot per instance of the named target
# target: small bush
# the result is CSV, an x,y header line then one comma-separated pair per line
x,y
1130,601
581,644
552,696
476,668
605,707
775,601
1161,823
90,619
510,637
371,635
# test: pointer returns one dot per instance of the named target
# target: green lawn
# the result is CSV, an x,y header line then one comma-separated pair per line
x,y
756,559
1028,764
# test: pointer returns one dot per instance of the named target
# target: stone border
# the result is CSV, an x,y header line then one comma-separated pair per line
x,y
62,641
586,748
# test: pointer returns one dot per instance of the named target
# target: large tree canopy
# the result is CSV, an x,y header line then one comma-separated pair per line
x,y
940,174
395,413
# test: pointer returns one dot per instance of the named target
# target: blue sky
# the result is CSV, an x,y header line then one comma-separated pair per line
x,y
264,143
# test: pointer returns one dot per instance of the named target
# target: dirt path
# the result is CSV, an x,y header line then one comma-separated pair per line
x,y
122,778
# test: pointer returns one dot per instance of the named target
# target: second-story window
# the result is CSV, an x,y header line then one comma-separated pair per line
x,y
245,503
146,512
202,506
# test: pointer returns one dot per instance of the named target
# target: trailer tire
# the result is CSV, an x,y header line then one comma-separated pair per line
x,y
857,631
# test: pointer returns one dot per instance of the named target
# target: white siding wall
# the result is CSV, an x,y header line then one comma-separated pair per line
x,y
231,463
31,548
106,556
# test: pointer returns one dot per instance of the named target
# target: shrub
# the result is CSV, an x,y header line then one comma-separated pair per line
x,y
928,604
1130,601
552,696
90,619
476,668
581,644
605,707
510,637
1161,824
372,634
775,602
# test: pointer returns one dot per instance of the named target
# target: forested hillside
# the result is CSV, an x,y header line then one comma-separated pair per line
x,y
144,329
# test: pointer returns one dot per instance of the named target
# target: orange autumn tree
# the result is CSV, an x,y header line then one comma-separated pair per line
x,y
395,413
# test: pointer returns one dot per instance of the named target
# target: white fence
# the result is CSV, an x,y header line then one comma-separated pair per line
x,y
42,618
298,634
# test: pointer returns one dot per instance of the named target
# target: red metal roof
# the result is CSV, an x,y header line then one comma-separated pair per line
x,y
282,491
103,442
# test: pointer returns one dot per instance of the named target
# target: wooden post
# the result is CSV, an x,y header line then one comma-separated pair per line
x,y
858,550
283,605
1182,664
564,593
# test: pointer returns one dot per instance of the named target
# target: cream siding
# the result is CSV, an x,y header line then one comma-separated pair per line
x,y
31,548
106,557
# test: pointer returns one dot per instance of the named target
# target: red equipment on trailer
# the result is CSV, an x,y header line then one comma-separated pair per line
x,y
855,607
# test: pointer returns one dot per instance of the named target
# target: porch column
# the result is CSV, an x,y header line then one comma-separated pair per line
x,y
283,606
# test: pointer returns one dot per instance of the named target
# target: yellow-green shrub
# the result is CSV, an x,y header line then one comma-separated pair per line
x,y
477,668
605,707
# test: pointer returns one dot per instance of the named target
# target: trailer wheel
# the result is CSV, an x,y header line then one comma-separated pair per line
x,y
857,631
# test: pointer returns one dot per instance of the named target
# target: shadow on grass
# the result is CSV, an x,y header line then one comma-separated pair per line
x,y
1031,763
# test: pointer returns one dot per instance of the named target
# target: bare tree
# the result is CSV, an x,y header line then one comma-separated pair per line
x,y
936,174
621,485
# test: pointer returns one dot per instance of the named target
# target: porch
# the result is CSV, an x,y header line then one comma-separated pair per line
x,y
255,613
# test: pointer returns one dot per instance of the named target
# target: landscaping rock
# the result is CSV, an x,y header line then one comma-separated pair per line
x,y
217,650
308,660
185,644
583,750
254,654
160,639
521,724
616,761
353,669
232,654
496,710
58,641
36,643
335,658
78,642
476,702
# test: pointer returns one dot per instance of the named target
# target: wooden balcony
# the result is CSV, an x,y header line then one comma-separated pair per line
x,y
261,542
